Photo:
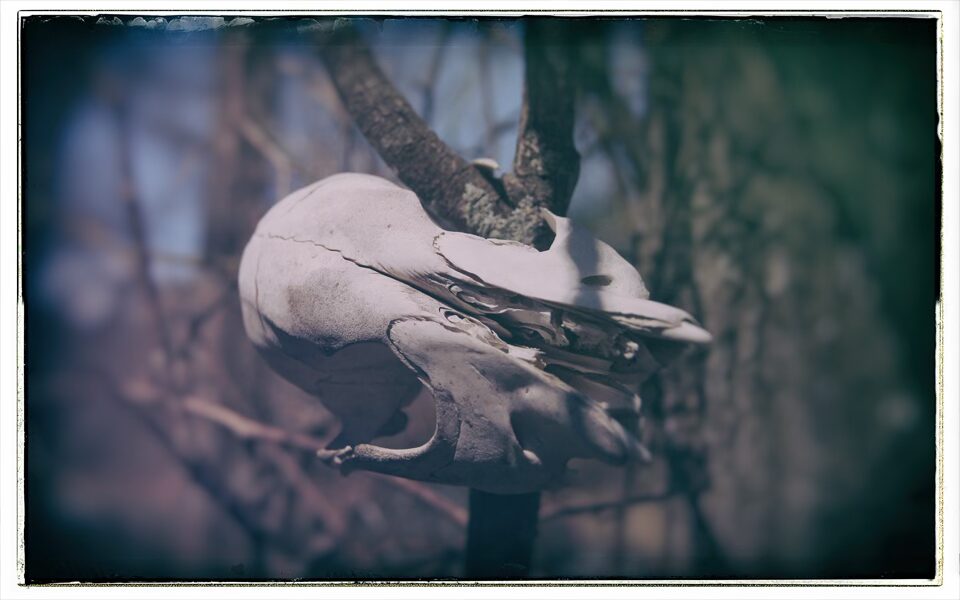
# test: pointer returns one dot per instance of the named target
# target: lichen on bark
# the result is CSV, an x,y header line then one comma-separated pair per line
x,y
547,163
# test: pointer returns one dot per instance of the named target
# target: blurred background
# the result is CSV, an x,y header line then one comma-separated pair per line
x,y
778,178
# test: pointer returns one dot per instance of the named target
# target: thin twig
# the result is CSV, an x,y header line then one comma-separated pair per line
x,y
201,318
136,221
249,429
433,73
96,234
194,469
486,94
307,489
560,512
278,158
494,133
447,507
246,428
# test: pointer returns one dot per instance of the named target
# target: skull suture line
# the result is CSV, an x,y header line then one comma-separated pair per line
x,y
354,294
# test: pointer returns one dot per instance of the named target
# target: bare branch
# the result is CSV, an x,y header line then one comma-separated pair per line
x,y
96,234
560,512
448,185
486,91
615,124
448,508
249,429
205,479
246,428
135,220
309,491
489,143
546,165
436,173
433,73
281,162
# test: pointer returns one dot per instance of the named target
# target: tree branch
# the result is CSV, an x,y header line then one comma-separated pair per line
x,y
546,165
433,72
248,429
446,183
449,186
271,151
135,220
450,509
559,512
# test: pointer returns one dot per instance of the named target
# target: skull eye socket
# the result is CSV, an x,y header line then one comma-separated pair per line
x,y
451,316
597,280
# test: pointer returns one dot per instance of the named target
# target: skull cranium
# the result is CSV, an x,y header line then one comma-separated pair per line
x,y
354,294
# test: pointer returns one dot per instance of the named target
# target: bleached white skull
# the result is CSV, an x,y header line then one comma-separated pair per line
x,y
354,294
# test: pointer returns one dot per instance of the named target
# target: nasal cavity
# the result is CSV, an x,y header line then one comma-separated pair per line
x,y
597,280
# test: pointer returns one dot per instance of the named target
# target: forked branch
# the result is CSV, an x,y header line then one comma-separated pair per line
x,y
547,163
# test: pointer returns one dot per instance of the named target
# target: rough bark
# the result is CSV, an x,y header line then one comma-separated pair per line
x,y
449,186
546,164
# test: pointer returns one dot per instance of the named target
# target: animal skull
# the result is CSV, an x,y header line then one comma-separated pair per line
x,y
353,293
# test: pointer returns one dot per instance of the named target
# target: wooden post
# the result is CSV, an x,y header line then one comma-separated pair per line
x,y
500,535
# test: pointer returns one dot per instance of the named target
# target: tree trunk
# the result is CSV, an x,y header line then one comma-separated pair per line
x,y
758,206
